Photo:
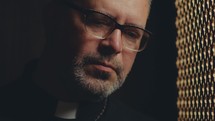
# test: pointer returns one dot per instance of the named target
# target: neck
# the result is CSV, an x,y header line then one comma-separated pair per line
x,y
51,76
47,77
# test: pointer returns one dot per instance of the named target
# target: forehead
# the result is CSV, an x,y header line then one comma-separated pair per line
x,y
124,11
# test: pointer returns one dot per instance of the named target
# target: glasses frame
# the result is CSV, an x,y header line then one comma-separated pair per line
x,y
86,11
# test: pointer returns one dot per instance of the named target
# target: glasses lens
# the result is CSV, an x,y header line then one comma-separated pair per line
x,y
144,40
135,38
98,24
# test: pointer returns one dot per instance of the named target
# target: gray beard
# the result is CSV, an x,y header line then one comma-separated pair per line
x,y
98,83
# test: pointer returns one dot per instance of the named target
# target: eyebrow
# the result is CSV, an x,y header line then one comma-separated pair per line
x,y
114,18
105,13
134,25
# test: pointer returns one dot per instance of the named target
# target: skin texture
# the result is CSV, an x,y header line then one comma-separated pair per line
x,y
78,66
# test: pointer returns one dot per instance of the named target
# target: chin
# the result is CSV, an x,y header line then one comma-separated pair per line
x,y
98,85
97,76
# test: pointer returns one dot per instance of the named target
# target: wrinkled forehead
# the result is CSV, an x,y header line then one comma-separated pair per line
x,y
124,11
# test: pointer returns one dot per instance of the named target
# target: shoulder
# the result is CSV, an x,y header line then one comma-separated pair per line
x,y
8,97
117,111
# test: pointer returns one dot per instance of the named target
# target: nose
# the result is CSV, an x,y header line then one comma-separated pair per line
x,y
112,44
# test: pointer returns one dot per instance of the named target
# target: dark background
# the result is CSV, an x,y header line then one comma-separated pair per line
x,y
150,87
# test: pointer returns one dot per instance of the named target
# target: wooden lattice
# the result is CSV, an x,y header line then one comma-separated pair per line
x,y
195,24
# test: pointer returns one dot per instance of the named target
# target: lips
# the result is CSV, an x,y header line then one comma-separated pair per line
x,y
102,65
105,66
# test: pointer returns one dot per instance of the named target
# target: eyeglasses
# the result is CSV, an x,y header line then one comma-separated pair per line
x,y
101,26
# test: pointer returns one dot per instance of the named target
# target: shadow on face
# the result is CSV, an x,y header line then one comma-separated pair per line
x,y
80,58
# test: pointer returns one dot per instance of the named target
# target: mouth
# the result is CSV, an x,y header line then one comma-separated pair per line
x,y
102,66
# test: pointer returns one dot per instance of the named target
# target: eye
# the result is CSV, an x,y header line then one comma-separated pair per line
x,y
95,21
98,19
100,22
132,34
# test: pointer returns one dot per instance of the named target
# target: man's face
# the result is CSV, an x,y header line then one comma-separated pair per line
x,y
100,66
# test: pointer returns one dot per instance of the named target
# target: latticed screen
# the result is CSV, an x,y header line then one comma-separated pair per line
x,y
195,24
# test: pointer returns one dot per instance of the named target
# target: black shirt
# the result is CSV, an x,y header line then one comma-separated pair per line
x,y
22,100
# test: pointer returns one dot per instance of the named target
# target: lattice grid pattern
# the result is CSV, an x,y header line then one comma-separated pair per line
x,y
195,24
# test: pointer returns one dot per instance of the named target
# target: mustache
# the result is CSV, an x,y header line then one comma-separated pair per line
x,y
97,59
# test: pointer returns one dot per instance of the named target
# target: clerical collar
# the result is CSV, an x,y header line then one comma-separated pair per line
x,y
66,110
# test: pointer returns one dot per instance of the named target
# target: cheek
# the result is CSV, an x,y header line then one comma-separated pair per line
x,y
86,45
79,40
86,42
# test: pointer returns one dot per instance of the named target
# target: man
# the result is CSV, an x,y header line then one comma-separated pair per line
x,y
91,47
